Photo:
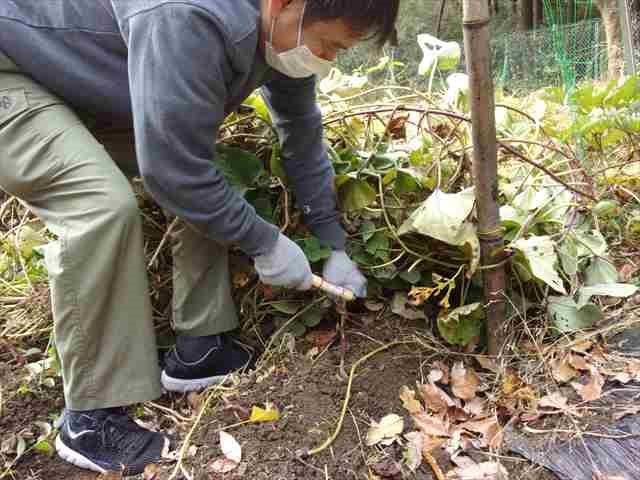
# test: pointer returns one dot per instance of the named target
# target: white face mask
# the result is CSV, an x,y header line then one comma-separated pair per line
x,y
299,62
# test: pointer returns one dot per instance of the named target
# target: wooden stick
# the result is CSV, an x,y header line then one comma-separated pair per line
x,y
333,290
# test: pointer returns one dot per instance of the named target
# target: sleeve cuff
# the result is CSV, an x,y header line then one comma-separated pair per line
x,y
260,239
331,234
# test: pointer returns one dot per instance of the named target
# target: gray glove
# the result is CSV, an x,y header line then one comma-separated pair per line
x,y
340,270
285,266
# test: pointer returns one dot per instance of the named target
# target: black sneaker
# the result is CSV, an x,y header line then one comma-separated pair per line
x,y
107,440
197,362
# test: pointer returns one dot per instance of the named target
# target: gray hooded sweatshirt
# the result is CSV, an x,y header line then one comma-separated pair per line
x,y
174,69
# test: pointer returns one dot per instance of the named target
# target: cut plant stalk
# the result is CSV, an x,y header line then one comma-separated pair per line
x,y
333,290
483,132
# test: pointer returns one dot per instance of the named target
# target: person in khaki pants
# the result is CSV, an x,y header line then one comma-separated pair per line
x,y
171,72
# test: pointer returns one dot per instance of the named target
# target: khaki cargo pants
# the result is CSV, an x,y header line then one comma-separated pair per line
x,y
74,182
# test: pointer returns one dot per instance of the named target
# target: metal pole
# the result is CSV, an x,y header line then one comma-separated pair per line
x,y
485,167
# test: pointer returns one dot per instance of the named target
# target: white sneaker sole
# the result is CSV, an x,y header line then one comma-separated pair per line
x,y
182,385
75,458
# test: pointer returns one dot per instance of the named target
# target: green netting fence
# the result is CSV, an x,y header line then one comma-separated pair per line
x,y
525,61
522,61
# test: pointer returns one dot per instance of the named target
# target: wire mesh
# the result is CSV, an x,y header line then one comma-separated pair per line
x,y
525,61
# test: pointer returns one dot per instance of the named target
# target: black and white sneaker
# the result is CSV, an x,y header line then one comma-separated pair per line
x,y
198,362
107,440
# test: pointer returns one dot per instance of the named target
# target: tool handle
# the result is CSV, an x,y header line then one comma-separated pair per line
x,y
334,290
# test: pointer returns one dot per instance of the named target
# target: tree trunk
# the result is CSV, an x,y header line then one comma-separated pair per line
x,y
485,167
538,13
611,20
526,15
440,15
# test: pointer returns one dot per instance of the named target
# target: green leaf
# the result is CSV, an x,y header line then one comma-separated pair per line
x,y
297,328
28,239
441,216
276,166
542,259
258,104
461,325
312,317
368,229
286,306
313,249
620,290
412,276
625,94
606,208
511,217
343,85
600,271
407,181
590,243
531,199
354,194
44,447
567,317
261,201
239,167
378,245
568,253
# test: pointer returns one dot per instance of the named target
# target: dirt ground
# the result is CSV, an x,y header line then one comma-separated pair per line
x,y
309,393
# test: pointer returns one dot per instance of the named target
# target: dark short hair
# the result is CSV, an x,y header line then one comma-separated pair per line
x,y
376,18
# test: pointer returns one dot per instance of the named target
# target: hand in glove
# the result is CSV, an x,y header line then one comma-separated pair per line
x,y
340,270
285,265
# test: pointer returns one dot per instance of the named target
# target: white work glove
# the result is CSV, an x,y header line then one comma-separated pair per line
x,y
285,265
340,270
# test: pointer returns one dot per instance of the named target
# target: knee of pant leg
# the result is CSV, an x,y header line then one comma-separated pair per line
x,y
122,205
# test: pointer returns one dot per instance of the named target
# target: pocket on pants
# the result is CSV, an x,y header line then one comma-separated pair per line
x,y
13,102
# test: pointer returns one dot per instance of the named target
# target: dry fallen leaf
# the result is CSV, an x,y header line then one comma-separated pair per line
x,y
194,399
464,381
440,368
413,453
475,407
387,468
223,465
582,346
479,471
562,370
321,338
488,363
554,400
389,427
599,354
627,272
240,279
430,443
490,430
151,472
431,425
435,399
230,447
232,452
110,476
593,388
579,362
409,400
268,414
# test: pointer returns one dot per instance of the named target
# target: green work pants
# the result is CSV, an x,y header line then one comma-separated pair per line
x,y
75,182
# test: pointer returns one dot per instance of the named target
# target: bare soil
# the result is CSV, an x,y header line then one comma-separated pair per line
x,y
309,394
